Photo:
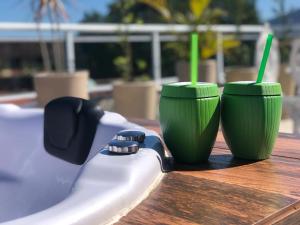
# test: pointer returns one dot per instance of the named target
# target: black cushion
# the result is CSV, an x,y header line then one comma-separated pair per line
x,y
70,125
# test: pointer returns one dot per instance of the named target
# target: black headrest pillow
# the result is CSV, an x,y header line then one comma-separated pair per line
x,y
70,125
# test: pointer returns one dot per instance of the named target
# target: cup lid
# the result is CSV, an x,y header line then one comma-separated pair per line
x,y
188,90
252,88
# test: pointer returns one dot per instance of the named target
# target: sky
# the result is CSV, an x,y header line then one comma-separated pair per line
x,y
20,10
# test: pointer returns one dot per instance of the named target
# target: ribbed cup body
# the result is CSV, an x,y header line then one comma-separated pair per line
x,y
250,124
189,126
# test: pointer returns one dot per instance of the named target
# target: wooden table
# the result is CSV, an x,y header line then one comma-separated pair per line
x,y
226,190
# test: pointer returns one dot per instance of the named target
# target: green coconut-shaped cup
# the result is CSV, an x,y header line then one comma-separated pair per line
x,y
189,119
250,116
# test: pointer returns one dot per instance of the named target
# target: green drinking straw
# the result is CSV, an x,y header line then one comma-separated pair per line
x,y
194,58
264,59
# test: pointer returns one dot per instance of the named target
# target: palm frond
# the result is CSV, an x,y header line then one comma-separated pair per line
x,y
56,8
160,5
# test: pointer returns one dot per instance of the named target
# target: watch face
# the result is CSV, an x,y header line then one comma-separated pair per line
x,y
131,135
123,147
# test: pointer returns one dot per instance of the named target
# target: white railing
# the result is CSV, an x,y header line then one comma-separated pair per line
x,y
131,28
154,33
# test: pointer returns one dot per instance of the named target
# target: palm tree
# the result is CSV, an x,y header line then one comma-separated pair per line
x,y
192,12
54,11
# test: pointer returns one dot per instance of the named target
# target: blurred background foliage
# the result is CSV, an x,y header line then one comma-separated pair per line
x,y
99,58
281,13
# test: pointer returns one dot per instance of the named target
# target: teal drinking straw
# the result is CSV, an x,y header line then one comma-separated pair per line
x,y
194,58
264,59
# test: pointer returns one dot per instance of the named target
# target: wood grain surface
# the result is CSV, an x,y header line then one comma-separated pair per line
x,y
226,190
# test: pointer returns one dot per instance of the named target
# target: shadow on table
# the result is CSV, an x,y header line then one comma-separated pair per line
x,y
215,162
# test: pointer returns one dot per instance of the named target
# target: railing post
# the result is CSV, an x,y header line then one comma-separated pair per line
x,y
70,49
220,58
156,57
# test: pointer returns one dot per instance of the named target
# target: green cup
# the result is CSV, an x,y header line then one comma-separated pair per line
x,y
250,116
189,119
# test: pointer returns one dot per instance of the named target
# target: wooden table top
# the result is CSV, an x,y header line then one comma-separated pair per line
x,y
226,190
